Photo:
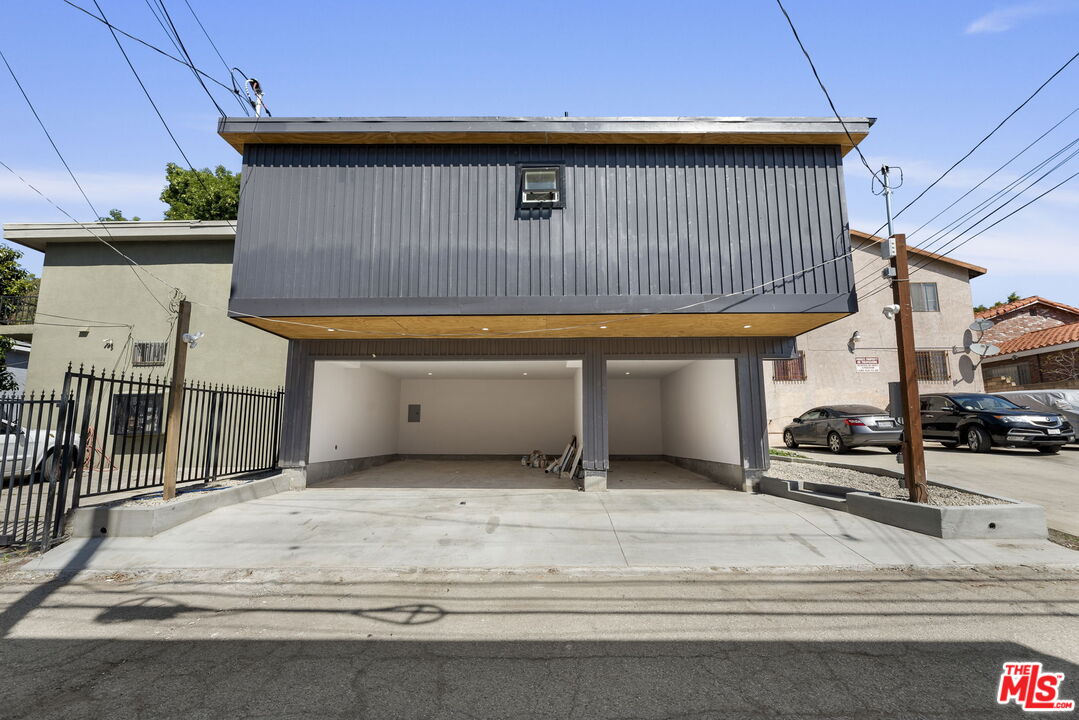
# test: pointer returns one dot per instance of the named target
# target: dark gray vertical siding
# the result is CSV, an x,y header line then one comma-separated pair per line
x,y
429,221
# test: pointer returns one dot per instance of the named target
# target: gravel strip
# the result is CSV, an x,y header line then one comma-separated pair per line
x,y
886,486
183,493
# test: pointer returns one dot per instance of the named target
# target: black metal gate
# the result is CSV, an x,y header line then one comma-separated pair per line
x,y
104,433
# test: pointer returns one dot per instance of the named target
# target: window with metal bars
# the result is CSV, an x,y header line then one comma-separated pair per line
x,y
149,353
792,370
932,365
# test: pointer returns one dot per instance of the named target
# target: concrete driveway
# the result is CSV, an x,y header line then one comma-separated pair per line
x,y
1051,481
663,525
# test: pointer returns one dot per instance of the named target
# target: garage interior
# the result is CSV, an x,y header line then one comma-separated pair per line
x,y
672,423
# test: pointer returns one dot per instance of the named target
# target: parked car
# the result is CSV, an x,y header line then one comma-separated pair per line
x,y
26,452
980,421
840,427
1063,402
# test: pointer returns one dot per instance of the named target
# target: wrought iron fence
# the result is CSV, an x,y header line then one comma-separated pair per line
x,y
106,434
30,428
17,309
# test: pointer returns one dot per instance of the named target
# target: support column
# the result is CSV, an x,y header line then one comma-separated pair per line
x,y
296,412
752,419
595,459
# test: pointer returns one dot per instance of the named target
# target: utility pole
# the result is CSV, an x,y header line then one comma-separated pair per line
x,y
895,250
174,416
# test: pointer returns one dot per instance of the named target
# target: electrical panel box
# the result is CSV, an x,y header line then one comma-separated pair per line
x,y
887,249
413,413
888,273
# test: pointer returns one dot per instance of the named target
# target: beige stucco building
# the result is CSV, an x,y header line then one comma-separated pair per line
x,y
833,370
94,308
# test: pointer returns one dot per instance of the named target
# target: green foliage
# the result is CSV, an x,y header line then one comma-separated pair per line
x,y
117,216
1012,297
785,453
14,280
201,194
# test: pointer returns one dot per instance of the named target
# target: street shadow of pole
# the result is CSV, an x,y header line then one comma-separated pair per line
x,y
16,611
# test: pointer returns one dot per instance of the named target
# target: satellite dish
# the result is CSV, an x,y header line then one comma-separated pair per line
x,y
981,325
984,350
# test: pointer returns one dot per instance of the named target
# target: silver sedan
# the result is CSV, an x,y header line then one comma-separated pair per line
x,y
840,427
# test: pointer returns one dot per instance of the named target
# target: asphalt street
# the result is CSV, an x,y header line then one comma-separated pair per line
x,y
1048,480
266,644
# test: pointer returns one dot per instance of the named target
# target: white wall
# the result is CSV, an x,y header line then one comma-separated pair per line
x,y
700,412
635,425
486,416
354,412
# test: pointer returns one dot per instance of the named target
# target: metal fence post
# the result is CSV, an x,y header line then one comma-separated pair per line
x,y
54,505
84,430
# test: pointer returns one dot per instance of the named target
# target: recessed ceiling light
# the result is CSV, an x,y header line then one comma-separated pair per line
x,y
524,373
430,373
746,327
330,330
485,329
602,327
627,373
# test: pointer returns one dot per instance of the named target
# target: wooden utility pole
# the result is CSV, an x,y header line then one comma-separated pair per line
x,y
913,450
174,416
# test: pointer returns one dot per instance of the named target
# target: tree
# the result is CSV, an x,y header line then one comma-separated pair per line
x,y
18,281
201,194
117,216
1012,297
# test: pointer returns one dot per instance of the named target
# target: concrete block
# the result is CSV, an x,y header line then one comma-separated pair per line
x,y
793,490
727,474
149,520
1014,521
594,481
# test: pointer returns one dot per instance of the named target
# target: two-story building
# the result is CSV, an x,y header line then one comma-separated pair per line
x,y
854,360
487,286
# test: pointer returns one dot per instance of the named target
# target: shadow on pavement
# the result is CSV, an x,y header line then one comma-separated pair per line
x,y
73,679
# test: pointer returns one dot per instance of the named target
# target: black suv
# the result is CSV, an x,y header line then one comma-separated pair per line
x,y
981,421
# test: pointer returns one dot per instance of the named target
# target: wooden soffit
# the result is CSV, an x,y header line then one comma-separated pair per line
x,y
544,326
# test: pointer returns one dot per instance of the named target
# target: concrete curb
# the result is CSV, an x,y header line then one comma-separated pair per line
x,y
1016,521
147,521
880,472
1012,521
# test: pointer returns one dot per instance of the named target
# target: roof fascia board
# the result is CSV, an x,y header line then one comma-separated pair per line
x,y
39,235
572,130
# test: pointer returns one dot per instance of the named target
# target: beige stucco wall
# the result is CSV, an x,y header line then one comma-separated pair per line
x,y
88,281
830,366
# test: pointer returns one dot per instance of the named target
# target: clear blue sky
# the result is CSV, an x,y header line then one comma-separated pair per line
x,y
937,75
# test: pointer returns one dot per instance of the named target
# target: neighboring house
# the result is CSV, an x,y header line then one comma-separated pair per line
x,y
1039,345
830,369
17,360
474,286
94,309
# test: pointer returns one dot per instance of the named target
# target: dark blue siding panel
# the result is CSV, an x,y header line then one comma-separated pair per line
x,y
431,221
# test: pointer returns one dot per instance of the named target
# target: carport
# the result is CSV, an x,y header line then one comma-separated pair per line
x,y
442,423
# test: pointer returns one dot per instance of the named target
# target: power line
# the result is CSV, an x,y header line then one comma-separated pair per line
x,y
220,57
71,217
155,48
928,243
989,227
941,252
828,96
64,162
988,177
186,54
143,86
982,141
